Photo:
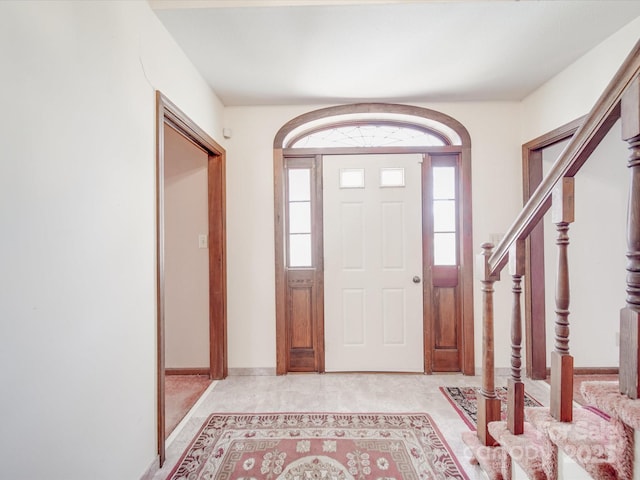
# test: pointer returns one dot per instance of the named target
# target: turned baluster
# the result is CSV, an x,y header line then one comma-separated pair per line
x,y
515,386
630,315
488,402
561,360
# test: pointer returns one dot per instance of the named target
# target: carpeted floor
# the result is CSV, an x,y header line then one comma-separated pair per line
x,y
464,401
318,445
578,379
181,393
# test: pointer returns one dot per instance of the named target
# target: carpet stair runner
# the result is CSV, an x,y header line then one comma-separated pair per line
x,y
606,396
598,439
532,450
590,440
493,460
624,416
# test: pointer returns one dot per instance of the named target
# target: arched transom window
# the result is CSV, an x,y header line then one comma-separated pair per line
x,y
367,128
380,134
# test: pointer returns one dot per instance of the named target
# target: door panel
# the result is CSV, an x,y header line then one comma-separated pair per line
x,y
393,236
353,315
393,316
352,236
301,309
445,331
372,251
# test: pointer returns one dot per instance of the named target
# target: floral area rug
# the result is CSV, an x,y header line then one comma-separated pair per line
x,y
465,401
331,446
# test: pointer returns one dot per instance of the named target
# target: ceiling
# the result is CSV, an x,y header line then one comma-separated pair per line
x,y
276,52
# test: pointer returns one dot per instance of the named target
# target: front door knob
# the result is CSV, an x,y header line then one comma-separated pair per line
x,y
416,279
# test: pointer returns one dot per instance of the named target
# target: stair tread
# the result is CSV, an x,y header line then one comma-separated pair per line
x,y
535,454
491,459
607,397
594,443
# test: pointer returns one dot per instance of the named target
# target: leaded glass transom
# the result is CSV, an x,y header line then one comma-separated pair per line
x,y
368,135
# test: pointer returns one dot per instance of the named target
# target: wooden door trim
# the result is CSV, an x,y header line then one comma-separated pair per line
x,y
427,278
464,277
168,113
534,283
369,108
466,258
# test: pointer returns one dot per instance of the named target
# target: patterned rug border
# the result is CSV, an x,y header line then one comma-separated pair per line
x,y
464,416
387,415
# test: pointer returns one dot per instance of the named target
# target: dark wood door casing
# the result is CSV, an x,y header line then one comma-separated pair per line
x,y
534,278
304,286
443,325
299,292
169,114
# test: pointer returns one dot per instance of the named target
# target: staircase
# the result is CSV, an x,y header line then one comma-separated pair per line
x,y
563,442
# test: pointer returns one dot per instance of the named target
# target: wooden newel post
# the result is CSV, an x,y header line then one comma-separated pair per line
x,y
515,385
630,315
488,403
561,360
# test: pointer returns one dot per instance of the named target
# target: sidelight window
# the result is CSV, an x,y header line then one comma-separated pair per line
x,y
444,208
299,217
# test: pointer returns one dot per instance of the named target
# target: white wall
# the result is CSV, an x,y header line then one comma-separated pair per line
x,y
186,265
596,254
77,250
250,234
77,175
575,90
599,220
494,129
497,132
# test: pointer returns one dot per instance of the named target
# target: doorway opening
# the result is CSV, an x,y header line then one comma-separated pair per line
x,y
534,280
308,296
191,254
186,275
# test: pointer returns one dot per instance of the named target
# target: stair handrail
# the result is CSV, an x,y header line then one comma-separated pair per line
x,y
604,114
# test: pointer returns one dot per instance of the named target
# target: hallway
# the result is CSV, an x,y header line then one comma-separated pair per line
x,y
384,393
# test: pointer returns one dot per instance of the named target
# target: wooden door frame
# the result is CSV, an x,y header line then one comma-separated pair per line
x,y
534,289
169,114
466,257
534,283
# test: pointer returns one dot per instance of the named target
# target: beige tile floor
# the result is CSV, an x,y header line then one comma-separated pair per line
x,y
384,393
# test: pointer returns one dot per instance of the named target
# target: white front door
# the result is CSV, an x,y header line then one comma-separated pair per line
x,y
372,252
